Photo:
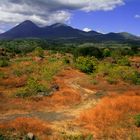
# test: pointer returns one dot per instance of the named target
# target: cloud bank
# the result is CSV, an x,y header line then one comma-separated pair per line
x,y
46,12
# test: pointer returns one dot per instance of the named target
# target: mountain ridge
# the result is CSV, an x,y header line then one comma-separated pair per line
x,y
28,29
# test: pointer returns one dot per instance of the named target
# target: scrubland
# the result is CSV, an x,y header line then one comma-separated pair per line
x,y
64,96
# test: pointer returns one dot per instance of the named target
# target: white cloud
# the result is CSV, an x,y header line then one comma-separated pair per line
x,y
87,29
137,16
45,12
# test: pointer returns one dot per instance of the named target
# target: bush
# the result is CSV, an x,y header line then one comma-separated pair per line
x,y
106,52
86,64
103,68
32,88
137,120
4,63
124,61
2,75
66,60
114,73
39,52
49,70
88,51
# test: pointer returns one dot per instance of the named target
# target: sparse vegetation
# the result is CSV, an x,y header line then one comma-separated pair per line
x,y
39,52
137,120
32,88
86,90
4,62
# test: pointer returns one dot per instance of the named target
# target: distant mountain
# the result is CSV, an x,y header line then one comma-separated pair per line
x,y
28,29
24,30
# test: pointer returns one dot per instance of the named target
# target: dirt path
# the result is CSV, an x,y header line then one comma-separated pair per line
x,y
61,119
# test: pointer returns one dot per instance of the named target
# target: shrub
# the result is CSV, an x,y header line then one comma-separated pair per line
x,y
114,73
4,63
103,68
2,75
106,52
137,120
32,88
17,73
66,60
39,52
124,61
111,80
86,64
49,70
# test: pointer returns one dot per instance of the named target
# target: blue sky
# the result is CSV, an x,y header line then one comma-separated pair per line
x,y
99,15
121,19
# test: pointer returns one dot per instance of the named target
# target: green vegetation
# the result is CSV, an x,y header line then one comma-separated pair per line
x,y
112,72
123,61
106,52
51,69
137,120
32,88
86,64
4,62
2,75
39,52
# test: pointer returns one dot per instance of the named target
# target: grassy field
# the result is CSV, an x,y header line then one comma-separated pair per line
x,y
57,96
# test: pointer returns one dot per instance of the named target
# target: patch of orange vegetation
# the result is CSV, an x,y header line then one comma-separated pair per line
x,y
26,125
66,97
14,81
135,59
66,94
112,117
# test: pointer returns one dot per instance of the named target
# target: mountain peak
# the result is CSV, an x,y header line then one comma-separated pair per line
x,y
28,22
59,25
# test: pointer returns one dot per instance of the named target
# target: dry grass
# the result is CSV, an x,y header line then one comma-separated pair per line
x,y
113,117
22,126
66,97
